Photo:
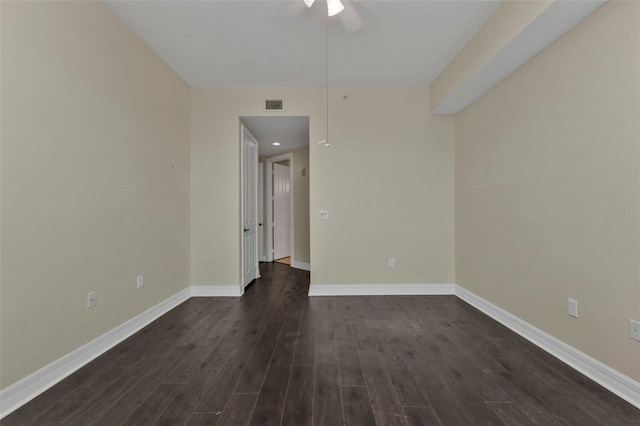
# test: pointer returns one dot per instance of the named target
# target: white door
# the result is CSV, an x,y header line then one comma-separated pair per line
x,y
281,211
249,207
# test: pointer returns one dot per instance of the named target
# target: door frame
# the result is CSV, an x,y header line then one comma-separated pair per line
x,y
268,167
242,129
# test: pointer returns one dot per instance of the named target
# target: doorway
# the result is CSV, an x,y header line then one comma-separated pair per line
x,y
283,225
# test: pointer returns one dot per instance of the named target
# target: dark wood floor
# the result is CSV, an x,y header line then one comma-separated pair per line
x,y
278,357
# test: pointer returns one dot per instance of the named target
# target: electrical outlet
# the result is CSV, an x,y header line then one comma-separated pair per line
x,y
392,262
140,281
573,308
91,299
323,214
634,330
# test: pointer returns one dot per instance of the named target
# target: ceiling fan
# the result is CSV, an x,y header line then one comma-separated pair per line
x,y
333,6
346,13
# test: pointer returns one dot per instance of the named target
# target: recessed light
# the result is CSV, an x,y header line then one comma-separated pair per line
x,y
276,144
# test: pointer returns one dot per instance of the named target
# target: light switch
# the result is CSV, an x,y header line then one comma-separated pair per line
x,y
324,214
573,308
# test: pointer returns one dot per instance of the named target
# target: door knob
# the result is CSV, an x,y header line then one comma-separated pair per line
x,y
246,229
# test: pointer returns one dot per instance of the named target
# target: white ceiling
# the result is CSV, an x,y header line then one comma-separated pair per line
x,y
243,43
291,132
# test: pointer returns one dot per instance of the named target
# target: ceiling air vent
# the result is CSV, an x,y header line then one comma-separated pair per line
x,y
271,104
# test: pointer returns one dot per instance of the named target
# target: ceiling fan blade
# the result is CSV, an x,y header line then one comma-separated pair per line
x,y
350,18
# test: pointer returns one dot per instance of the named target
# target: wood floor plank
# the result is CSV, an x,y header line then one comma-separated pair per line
x,y
356,406
408,391
482,349
465,395
252,377
82,378
349,364
56,414
41,405
149,411
298,408
449,412
228,364
195,365
414,342
421,416
536,409
285,347
101,377
133,397
305,353
362,335
222,382
446,407
182,342
164,333
238,410
511,414
326,388
225,377
104,398
270,405
236,343
183,404
326,391
348,361
576,387
213,314
453,357
203,419
548,394
384,400
187,311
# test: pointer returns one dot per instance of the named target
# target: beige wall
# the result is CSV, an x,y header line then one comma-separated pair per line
x,y
215,170
540,159
387,182
95,179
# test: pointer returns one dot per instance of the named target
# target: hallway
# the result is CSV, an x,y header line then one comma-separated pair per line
x,y
278,357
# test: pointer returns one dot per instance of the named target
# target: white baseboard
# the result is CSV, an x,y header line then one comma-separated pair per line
x,y
623,386
33,385
216,291
300,265
381,289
